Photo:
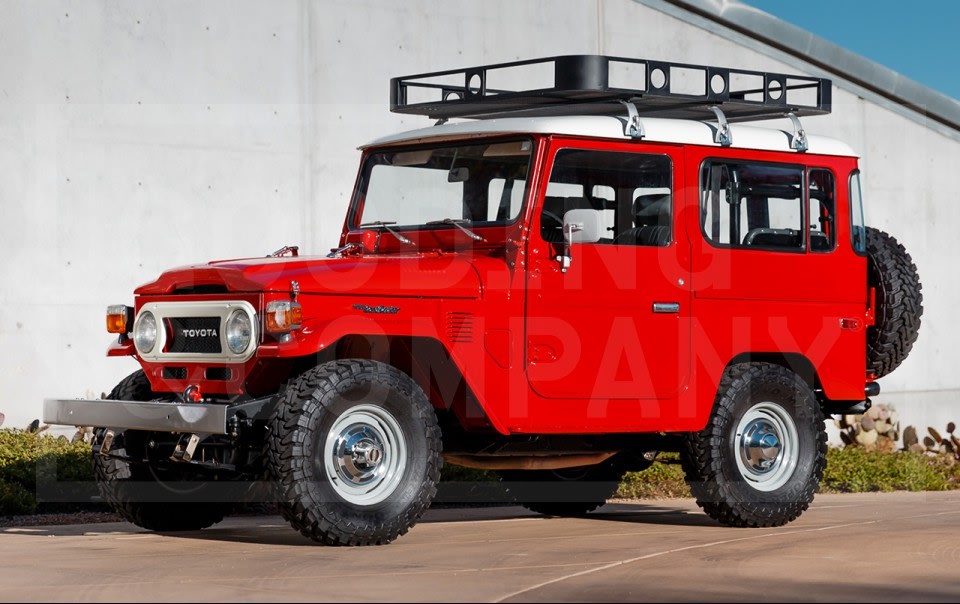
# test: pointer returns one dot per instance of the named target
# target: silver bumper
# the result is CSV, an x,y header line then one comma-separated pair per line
x,y
196,418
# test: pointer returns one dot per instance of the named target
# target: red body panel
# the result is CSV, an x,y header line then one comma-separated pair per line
x,y
581,352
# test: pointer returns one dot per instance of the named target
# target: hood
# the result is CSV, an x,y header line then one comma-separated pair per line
x,y
409,275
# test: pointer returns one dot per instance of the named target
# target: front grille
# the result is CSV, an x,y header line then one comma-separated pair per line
x,y
174,373
218,374
193,335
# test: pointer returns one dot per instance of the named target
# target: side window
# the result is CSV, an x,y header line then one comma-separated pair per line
x,y
629,200
752,205
858,229
822,195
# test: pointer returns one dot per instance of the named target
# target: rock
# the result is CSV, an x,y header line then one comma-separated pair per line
x,y
867,423
951,427
910,437
936,435
917,448
867,437
882,427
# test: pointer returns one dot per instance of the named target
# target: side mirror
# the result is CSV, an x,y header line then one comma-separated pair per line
x,y
589,223
579,226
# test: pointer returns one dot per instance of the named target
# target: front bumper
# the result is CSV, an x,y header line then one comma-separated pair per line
x,y
195,418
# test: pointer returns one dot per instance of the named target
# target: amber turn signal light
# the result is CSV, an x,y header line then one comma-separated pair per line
x,y
119,318
283,316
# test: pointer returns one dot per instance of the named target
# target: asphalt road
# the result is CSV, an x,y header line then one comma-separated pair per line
x,y
875,547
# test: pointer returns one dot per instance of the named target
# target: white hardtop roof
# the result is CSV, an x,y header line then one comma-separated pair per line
x,y
659,130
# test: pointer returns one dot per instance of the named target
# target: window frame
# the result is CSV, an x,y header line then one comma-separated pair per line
x,y
836,237
360,190
804,203
855,173
673,192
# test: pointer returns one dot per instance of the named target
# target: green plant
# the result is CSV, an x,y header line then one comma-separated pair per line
x,y
29,459
663,479
15,500
855,470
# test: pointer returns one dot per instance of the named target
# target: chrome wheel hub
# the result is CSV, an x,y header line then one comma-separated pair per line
x,y
365,455
767,448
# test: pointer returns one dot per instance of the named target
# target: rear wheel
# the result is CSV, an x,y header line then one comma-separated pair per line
x,y
154,498
760,459
355,451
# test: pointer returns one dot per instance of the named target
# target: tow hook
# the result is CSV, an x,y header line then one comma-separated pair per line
x,y
184,450
108,437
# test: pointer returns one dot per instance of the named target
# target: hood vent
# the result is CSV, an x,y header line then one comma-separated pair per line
x,y
460,327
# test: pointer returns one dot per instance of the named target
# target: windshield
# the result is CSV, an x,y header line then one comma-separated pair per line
x,y
479,184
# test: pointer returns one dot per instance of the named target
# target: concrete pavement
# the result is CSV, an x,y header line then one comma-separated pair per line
x,y
871,547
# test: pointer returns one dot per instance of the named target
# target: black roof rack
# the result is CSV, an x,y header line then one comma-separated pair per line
x,y
599,85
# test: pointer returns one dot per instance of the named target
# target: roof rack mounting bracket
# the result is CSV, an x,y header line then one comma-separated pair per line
x,y
723,137
799,140
633,127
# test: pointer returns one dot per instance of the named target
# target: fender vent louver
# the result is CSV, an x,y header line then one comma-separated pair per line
x,y
460,327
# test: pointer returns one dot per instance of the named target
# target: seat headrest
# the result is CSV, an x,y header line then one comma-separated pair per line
x,y
654,205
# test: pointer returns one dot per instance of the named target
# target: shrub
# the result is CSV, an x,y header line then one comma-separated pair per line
x,y
855,470
28,459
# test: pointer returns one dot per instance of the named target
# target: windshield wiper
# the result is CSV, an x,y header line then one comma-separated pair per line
x,y
459,222
384,225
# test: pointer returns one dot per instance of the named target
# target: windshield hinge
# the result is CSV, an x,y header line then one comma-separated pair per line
x,y
293,250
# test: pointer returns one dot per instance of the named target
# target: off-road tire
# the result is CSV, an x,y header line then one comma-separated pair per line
x,y
132,490
899,303
709,456
568,492
308,410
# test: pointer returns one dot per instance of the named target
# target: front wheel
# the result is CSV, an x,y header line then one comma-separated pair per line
x,y
158,499
760,459
355,451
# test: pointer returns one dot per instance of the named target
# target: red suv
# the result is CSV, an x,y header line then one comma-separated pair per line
x,y
581,276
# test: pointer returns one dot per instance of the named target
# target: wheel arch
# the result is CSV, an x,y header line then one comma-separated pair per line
x,y
425,359
794,361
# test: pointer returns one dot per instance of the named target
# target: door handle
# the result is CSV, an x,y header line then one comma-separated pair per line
x,y
666,307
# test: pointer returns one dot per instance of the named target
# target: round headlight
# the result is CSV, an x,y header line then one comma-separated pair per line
x,y
145,332
239,331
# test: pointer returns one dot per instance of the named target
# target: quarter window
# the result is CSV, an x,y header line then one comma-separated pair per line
x,y
822,194
752,205
858,230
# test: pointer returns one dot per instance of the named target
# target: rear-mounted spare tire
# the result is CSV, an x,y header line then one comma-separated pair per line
x,y
899,303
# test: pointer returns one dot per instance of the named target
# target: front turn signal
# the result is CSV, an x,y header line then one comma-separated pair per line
x,y
119,318
283,316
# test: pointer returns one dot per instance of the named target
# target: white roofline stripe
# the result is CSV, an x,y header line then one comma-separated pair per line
x,y
661,130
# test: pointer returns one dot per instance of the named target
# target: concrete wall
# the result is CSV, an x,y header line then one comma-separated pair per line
x,y
136,136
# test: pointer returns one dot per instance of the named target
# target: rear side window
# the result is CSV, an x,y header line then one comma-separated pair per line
x,y
822,194
858,230
752,205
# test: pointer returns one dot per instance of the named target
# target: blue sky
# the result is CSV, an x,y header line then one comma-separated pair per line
x,y
918,38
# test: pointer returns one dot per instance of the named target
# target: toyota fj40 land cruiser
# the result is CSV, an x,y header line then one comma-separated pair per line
x,y
585,275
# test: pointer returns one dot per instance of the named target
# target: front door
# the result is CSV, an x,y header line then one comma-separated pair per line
x,y
615,324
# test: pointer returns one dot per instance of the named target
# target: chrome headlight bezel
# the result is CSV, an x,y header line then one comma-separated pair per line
x,y
145,332
238,331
